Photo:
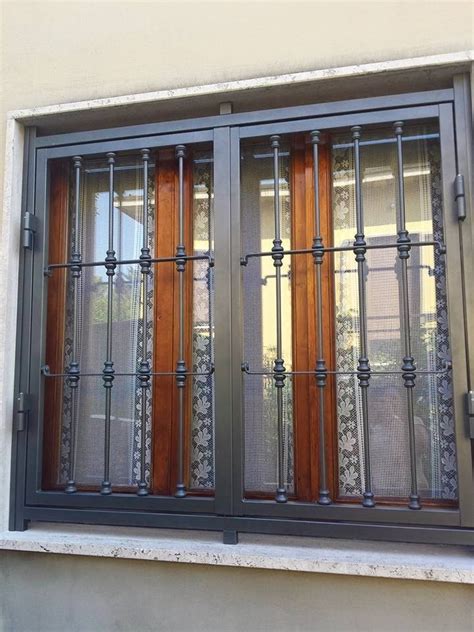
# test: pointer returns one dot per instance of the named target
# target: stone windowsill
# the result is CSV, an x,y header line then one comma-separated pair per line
x,y
343,557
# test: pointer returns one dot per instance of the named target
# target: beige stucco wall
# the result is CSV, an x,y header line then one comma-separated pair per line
x,y
40,592
64,51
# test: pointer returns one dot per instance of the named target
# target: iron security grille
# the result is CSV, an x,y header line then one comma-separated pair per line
x,y
363,371
229,507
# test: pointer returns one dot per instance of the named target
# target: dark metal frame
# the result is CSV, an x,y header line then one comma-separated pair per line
x,y
228,510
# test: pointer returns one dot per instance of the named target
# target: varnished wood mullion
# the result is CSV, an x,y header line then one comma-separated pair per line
x,y
58,251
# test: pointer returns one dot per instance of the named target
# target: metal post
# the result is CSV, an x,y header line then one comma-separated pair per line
x,y
320,369
73,369
181,370
108,371
278,366
363,366
145,369
408,366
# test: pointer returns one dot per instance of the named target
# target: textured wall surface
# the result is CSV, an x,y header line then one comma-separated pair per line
x,y
67,51
58,52
54,592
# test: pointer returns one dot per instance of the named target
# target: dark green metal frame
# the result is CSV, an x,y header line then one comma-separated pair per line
x,y
228,510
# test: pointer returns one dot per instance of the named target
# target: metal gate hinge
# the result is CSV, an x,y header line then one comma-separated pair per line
x,y
22,408
470,412
30,226
460,197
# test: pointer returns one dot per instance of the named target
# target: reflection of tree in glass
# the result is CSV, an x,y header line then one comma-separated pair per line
x,y
124,295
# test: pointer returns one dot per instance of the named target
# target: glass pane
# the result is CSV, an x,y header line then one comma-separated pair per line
x,y
128,322
259,317
388,418
127,325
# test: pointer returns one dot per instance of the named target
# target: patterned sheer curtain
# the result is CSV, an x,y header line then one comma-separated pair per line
x,y
434,423
202,424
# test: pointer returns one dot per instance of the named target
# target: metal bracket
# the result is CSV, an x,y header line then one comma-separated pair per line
x,y
30,227
230,537
22,407
460,197
225,108
470,412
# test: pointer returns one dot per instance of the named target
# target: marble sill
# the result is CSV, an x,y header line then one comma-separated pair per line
x,y
313,555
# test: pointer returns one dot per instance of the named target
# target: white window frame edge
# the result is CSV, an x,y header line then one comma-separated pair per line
x,y
434,566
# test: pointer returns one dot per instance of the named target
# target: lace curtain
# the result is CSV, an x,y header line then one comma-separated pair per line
x,y
434,422
202,425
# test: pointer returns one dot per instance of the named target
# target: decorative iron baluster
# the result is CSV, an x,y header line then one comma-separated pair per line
x,y
278,365
145,369
320,369
73,370
181,369
363,365
108,371
408,366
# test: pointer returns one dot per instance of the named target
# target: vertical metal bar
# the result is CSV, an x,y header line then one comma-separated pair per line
x,y
464,124
320,369
35,313
73,370
408,366
181,369
24,322
222,319
363,366
278,366
460,257
108,371
234,304
145,369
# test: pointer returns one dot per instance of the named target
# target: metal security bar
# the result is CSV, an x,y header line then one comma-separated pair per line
x,y
145,369
408,366
108,372
230,511
144,374
278,365
181,369
73,371
363,371
320,369
363,367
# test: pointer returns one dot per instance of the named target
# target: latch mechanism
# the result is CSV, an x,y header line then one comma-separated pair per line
x,y
30,226
460,197
22,408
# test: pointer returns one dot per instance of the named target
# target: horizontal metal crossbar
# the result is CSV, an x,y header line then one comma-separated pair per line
x,y
447,366
46,372
334,527
410,99
91,264
306,251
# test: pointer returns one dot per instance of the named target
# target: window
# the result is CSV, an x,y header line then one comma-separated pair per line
x,y
135,434
249,324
